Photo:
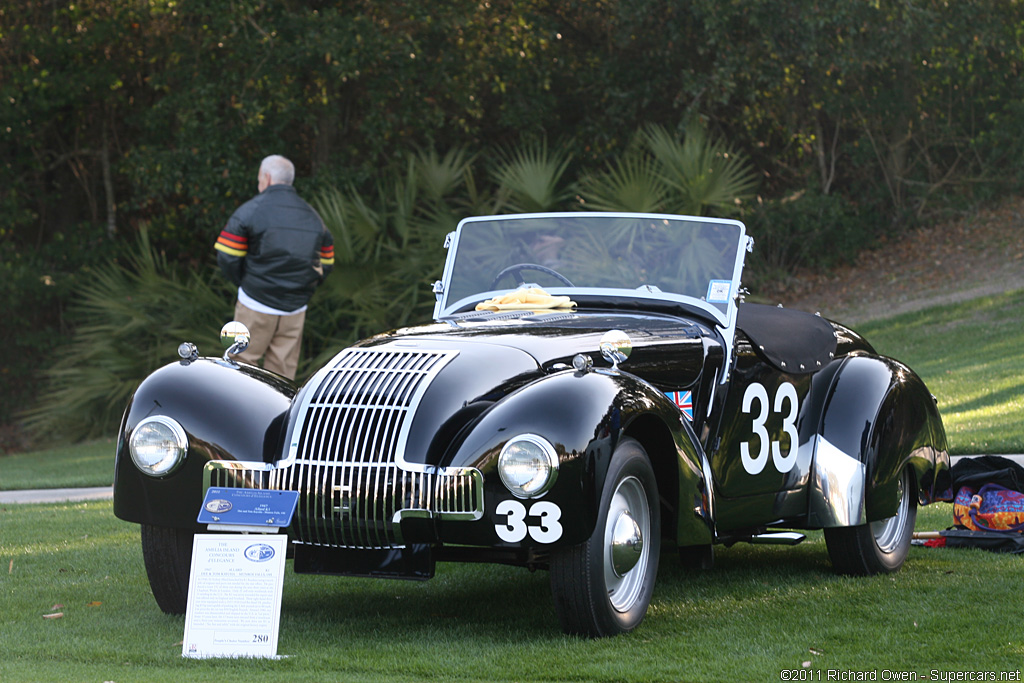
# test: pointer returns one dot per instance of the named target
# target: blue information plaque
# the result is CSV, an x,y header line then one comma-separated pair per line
x,y
248,507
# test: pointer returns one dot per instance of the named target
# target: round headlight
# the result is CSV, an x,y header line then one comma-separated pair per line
x,y
528,465
158,445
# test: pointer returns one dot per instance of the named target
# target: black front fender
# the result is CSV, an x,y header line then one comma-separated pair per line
x,y
228,411
584,415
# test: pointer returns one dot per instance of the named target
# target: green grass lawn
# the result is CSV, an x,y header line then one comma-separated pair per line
x,y
85,464
759,611
970,356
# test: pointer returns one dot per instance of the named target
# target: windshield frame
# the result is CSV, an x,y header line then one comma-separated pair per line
x,y
724,314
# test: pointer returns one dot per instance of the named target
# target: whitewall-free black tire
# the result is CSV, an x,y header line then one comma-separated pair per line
x,y
168,556
878,547
603,586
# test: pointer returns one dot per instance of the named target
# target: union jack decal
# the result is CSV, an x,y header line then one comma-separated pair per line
x,y
683,401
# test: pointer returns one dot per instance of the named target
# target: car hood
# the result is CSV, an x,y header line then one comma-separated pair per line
x,y
554,337
487,358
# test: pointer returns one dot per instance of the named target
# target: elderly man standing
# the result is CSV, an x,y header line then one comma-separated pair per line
x,y
276,249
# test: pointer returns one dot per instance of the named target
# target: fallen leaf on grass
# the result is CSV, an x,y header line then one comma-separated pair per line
x,y
94,603
55,615
10,567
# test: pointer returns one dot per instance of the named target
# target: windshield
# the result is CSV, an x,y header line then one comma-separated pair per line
x,y
644,256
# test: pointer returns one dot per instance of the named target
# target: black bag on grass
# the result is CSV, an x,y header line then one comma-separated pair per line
x,y
987,469
984,540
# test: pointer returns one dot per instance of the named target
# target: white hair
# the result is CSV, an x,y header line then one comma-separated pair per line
x,y
280,170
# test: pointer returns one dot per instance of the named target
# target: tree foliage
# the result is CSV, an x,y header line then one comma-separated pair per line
x,y
157,111
857,118
132,317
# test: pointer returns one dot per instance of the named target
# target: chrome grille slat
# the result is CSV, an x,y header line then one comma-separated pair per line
x,y
346,454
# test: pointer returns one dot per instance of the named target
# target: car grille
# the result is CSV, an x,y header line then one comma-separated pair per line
x,y
346,454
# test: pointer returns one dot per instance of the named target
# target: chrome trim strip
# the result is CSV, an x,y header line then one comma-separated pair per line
x,y
838,485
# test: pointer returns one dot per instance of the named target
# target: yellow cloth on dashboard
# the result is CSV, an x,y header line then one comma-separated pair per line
x,y
530,299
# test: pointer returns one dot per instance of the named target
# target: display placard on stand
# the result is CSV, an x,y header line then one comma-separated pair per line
x,y
234,596
236,579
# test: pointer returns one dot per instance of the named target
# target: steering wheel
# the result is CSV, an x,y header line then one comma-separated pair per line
x,y
517,269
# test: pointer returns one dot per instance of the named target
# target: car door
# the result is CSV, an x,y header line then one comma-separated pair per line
x,y
762,461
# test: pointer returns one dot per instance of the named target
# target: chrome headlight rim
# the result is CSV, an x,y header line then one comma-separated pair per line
x,y
175,445
545,462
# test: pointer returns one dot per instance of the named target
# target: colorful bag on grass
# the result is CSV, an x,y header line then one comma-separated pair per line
x,y
991,508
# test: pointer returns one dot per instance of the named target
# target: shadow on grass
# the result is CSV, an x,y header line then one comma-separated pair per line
x,y
509,604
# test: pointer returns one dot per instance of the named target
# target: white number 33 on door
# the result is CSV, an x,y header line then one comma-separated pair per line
x,y
756,403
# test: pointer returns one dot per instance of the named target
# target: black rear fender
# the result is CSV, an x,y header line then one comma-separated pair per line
x,y
877,418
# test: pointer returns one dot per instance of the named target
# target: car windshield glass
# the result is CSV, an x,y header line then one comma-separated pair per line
x,y
696,260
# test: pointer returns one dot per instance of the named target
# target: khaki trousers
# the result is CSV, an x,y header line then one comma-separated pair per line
x,y
275,338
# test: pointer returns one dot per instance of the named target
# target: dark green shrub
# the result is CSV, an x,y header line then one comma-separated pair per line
x,y
130,318
807,231
36,284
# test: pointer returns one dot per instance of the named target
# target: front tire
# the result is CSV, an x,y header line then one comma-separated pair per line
x,y
878,547
167,553
603,586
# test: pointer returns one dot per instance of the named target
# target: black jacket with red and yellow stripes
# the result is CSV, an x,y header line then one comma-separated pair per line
x,y
275,246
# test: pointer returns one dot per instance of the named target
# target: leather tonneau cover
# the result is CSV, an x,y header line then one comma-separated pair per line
x,y
792,341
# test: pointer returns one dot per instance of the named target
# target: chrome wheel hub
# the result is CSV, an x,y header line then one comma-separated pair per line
x,y
626,545
887,532
626,555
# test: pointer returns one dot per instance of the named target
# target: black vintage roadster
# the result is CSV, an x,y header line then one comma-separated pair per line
x,y
593,389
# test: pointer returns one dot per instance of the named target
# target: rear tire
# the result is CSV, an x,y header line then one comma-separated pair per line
x,y
603,586
878,547
168,556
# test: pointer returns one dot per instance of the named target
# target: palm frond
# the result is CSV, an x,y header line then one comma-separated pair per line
x,y
440,177
132,318
532,176
631,183
700,173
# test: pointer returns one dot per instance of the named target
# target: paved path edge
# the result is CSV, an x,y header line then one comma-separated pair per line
x,y
56,495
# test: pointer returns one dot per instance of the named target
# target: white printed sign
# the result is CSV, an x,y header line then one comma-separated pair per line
x,y
234,596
